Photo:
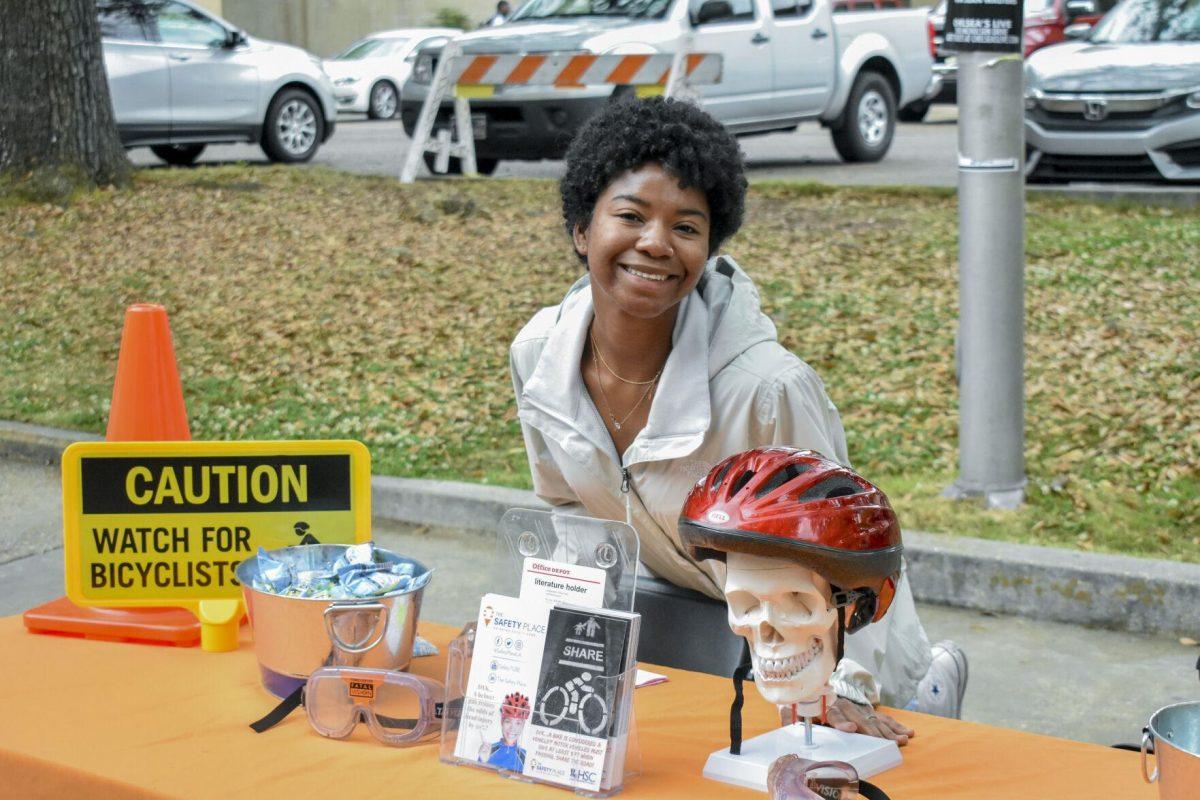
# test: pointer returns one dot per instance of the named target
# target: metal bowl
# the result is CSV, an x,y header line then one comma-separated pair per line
x,y
295,635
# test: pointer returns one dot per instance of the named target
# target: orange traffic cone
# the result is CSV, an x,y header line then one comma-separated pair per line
x,y
147,406
147,398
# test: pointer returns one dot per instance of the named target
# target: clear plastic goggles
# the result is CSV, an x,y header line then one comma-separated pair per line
x,y
794,778
399,708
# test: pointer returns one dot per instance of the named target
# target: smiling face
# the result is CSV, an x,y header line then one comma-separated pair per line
x,y
647,242
783,610
510,729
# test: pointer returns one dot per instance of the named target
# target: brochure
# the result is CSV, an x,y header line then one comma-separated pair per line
x,y
582,709
510,636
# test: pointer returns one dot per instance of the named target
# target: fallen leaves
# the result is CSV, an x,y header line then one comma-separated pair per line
x,y
306,303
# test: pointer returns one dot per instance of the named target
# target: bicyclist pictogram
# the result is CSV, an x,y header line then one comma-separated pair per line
x,y
577,700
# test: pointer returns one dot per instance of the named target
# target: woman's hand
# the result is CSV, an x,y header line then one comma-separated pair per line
x,y
848,716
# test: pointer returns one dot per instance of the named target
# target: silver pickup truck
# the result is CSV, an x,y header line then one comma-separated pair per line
x,y
784,62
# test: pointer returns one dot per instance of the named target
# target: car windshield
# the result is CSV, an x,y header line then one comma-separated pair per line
x,y
370,47
545,9
1136,21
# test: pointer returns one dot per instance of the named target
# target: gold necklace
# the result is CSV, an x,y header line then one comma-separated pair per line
x,y
598,354
604,395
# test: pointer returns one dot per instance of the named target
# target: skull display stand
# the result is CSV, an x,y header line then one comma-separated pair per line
x,y
785,611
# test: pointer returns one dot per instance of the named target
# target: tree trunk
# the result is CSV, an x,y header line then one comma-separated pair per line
x,y
56,115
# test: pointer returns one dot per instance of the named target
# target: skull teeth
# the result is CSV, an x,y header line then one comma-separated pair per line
x,y
788,667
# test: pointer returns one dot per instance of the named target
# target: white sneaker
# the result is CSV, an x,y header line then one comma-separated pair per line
x,y
941,691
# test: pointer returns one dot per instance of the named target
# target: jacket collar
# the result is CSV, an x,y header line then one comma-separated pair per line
x,y
555,399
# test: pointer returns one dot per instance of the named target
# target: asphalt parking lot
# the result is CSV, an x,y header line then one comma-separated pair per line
x,y
922,154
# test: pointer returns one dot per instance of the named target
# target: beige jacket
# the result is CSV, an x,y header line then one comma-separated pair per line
x,y
728,386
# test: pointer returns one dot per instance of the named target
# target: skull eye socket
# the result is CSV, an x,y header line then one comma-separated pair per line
x,y
801,602
741,603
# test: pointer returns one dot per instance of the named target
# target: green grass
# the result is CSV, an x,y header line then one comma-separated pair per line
x,y
311,304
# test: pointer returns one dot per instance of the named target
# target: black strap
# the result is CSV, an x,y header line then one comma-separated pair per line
x,y
871,791
735,710
276,715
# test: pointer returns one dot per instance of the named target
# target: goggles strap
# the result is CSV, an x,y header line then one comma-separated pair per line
x,y
276,715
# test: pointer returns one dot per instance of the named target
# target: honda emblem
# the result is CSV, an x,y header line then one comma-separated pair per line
x,y
1095,110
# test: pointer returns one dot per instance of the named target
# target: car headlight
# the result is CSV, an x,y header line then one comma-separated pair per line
x,y
345,81
423,69
1193,100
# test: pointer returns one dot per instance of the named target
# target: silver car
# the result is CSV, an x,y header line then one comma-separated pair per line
x,y
181,79
368,74
1122,104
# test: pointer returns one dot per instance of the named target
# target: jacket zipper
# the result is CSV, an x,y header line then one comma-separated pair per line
x,y
626,484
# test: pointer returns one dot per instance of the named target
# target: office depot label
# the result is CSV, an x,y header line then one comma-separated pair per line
x,y
157,523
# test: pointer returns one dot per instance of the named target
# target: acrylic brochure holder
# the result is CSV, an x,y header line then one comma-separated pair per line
x,y
599,763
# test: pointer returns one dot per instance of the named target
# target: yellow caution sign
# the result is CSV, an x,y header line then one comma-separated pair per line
x,y
167,523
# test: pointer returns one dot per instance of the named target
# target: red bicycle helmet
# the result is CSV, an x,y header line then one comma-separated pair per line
x,y
797,504
515,705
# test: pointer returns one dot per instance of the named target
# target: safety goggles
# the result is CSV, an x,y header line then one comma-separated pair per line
x,y
399,708
794,778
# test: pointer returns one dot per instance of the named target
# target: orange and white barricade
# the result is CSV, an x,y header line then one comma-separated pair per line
x,y
476,75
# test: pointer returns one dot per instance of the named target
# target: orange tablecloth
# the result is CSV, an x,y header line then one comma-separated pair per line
x,y
82,718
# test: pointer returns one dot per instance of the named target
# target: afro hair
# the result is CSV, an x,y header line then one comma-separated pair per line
x,y
684,139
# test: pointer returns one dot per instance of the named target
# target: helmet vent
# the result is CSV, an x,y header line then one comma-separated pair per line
x,y
781,477
741,482
720,476
833,486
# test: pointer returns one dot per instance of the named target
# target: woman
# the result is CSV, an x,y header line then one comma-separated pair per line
x,y
659,363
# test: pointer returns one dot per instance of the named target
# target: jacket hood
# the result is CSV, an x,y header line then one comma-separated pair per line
x,y
736,321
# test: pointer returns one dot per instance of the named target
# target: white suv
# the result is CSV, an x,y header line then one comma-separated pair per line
x,y
181,79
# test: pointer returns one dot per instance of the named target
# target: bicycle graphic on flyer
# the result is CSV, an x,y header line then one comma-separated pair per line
x,y
578,700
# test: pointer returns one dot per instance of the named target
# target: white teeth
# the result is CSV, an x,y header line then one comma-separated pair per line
x,y
782,669
645,275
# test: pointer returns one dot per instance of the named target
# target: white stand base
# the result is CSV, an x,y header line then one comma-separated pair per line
x,y
867,754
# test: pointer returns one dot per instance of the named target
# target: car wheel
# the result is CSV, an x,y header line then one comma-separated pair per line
x,y
181,155
486,166
865,131
914,112
384,102
293,127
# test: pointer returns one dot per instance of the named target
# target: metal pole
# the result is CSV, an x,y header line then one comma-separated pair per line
x,y
991,265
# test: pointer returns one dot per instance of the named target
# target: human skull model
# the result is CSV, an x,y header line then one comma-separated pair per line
x,y
784,611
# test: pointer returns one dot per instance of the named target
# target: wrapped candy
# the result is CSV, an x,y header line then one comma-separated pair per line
x,y
354,574
273,575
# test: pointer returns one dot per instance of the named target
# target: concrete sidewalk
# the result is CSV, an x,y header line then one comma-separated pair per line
x,y
1048,583
1046,677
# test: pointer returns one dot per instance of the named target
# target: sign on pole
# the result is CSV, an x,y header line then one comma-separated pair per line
x,y
994,26
167,523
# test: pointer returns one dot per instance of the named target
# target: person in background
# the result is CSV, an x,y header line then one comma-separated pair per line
x,y
659,363
503,12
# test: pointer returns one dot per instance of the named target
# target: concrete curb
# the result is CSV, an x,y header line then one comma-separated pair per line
x,y
1119,592
1110,193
